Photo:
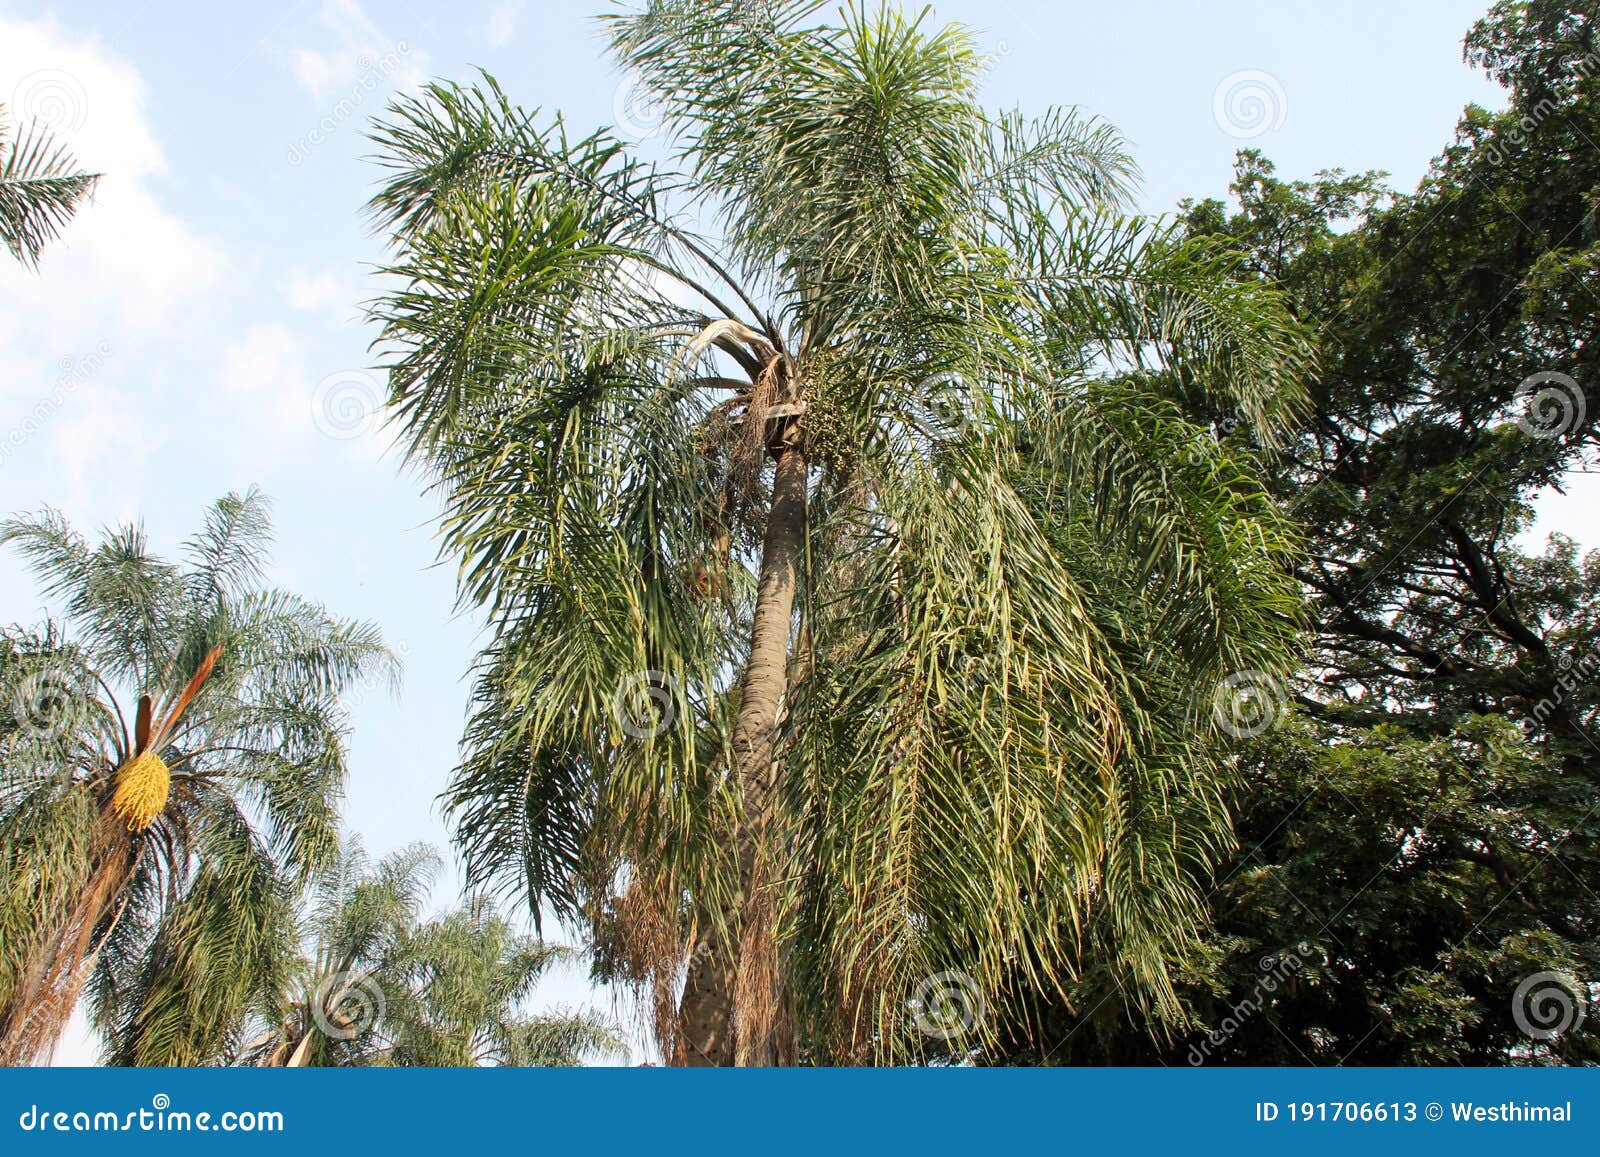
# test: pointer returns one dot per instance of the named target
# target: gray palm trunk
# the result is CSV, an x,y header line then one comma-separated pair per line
x,y
732,1009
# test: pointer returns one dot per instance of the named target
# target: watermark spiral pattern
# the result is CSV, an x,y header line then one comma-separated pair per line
x,y
646,704
52,98
1247,703
947,1005
46,703
1547,1004
347,1004
348,405
638,114
1248,103
1549,405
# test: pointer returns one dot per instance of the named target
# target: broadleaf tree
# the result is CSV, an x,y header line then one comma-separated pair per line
x,y
1422,843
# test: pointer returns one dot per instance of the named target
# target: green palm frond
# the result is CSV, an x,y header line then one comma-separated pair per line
x,y
41,187
467,978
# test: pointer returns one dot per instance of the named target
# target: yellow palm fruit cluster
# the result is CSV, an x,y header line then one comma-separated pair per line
x,y
143,784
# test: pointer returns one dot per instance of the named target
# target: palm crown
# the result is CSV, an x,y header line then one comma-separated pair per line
x,y
378,985
849,560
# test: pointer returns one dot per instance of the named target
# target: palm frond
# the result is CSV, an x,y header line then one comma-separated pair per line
x,y
41,188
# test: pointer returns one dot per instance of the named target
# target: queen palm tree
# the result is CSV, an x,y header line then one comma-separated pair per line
x,y
858,597
329,1006
41,188
172,770
378,986
464,981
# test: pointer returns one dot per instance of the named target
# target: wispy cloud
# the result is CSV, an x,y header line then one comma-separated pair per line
x,y
502,23
351,47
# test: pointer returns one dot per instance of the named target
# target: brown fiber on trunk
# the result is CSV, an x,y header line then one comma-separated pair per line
x,y
731,1010
37,1013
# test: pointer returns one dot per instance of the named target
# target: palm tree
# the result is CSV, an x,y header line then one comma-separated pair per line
x,y
329,1010
465,977
171,779
858,594
41,188
377,986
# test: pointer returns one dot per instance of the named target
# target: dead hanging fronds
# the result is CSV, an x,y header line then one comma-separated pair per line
x,y
646,944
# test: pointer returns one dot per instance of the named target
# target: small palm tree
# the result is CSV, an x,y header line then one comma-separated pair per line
x,y
171,774
330,1009
858,593
466,977
380,986
41,188
376,986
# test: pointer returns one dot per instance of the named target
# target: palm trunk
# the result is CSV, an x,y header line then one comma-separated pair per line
x,y
37,1012
730,1010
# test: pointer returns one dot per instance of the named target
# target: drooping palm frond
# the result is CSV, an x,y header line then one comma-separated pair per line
x,y
191,969
41,188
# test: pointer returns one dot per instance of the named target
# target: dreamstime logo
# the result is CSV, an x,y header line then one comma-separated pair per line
x,y
1248,103
52,98
1572,674
347,1004
638,112
1547,1004
348,404
1516,135
1550,405
1247,703
1276,969
646,704
372,73
947,1005
379,676
160,1117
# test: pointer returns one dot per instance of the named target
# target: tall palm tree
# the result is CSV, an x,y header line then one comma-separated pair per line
x,y
41,188
172,770
858,597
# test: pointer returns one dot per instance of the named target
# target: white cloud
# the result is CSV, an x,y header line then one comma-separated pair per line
x,y
268,379
502,25
85,400
100,445
264,372
318,292
359,56
126,262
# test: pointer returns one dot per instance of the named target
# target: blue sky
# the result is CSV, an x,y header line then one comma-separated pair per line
x,y
199,328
